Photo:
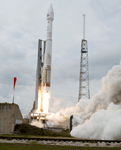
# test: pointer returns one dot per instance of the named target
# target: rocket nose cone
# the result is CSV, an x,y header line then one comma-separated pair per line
x,y
51,8
50,14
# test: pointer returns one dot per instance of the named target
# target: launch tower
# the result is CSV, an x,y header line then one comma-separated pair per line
x,y
84,92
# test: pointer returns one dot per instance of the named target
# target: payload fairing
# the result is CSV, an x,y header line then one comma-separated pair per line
x,y
43,75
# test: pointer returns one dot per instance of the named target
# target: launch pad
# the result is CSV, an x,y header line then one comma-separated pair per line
x,y
42,120
39,119
38,116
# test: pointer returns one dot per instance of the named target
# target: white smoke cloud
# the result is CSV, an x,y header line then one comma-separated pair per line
x,y
104,124
37,123
101,118
54,119
64,114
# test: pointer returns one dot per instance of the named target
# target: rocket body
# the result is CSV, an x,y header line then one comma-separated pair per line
x,y
46,73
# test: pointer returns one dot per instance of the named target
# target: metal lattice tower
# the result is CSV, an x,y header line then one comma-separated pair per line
x,y
84,92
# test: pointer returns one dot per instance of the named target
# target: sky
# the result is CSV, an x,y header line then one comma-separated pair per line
x,y
23,22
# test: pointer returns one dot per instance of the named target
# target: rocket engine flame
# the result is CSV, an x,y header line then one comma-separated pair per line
x,y
46,97
39,102
43,102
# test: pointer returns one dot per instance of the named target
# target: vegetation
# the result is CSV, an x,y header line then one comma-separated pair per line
x,y
27,129
4,146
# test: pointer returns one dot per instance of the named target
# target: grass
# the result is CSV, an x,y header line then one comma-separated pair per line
x,y
4,146
86,145
31,136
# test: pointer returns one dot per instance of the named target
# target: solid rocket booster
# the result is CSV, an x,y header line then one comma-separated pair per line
x,y
46,75
38,74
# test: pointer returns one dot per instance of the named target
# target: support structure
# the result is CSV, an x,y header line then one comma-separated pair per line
x,y
84,92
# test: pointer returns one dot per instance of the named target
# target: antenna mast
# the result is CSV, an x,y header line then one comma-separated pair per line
x,y
83,26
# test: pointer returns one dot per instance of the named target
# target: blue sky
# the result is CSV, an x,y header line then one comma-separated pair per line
x,y
23,22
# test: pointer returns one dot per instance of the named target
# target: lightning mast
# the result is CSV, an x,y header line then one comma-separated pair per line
x,y
84,92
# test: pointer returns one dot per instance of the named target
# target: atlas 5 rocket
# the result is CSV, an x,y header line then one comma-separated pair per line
x,y
43,74
46,75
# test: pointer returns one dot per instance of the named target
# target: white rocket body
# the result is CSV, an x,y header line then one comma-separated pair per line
x,y
46,73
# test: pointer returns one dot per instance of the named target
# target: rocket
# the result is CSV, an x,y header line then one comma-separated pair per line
x,y
43,74
46,73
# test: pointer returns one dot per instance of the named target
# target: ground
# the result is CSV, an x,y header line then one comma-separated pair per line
x,y
48,147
